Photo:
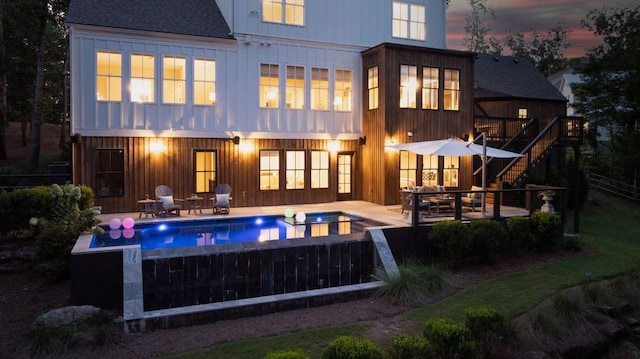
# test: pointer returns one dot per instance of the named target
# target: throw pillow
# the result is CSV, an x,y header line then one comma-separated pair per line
x,y
222,198
167,201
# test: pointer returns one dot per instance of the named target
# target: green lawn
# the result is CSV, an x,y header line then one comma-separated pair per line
x,y
610,231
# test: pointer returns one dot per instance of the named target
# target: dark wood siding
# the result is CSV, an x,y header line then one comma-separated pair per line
x,y
174,167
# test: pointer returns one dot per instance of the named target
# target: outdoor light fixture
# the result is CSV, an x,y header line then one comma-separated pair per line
x,y
333,146
362,140
156,146
410,133
236,140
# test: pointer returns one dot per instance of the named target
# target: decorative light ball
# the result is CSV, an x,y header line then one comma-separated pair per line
x,y
128,223
115,233
128,233
288,213
301,217
115,223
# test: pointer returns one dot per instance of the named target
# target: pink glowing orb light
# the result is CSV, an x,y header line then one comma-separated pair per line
x,y
115,223
128,223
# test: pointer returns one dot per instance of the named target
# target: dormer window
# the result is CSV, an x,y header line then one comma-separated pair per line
x,y
409,21
290,12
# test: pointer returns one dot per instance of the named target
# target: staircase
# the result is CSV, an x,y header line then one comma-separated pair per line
x,y
560,130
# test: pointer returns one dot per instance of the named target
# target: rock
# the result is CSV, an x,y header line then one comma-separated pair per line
x,y
66,316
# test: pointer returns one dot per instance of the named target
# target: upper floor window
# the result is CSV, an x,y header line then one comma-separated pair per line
x,y
408,86
174,80
295,87
342,88
319,169
430,86
319,88
269,88
295,169
143,81
109,76
283,11
204,82
451,89
372,86
204,168
523,113
408,21
269,170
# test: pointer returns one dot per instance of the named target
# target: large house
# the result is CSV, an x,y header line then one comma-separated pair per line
x,y
287,101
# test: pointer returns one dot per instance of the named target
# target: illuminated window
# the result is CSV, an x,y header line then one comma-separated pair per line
x,y
429,170
269,170
408,86
292,13
450,171
143,83
295,169
342,88
372,86
109,76
430,86
319,169
204,82
174,80
451,89
269,89
110,172
295,87
408,168
523,113
204,167
408,21
319,89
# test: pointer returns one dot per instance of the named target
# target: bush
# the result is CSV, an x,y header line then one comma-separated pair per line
x,y
488,237
490,330
58,229
450,339
346,347
520,236
410,347
17,207
414,284
451,239
547,228
287,354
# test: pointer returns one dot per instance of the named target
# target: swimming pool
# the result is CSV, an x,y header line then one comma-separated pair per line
x,y
178,234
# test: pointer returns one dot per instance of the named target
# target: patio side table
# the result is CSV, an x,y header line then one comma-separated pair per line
x,y
147,207
194,203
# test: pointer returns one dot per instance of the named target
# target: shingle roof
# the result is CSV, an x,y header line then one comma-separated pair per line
x,y
511,77
190,17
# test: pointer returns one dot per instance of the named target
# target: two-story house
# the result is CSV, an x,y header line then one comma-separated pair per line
x,y
287,101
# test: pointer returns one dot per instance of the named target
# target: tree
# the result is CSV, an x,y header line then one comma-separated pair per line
x,y
36,118
475,29
3,88
544,50
608,93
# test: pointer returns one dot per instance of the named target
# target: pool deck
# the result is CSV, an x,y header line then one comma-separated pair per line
x,y
389,215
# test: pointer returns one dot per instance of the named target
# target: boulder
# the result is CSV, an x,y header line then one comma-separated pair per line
x,y
67,316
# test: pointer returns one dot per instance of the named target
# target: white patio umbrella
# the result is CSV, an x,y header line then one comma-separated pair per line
x,y
458,147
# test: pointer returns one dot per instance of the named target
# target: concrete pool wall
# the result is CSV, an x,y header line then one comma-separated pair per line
x,y
176,287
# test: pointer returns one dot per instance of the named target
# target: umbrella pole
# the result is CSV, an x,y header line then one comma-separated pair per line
x,y
484,172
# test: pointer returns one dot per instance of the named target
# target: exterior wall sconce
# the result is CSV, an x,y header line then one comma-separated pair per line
x,y
333,146
156,146
410,133
465,137
236,140
362,140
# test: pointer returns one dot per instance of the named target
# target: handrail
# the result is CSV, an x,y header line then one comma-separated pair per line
x,y
620,189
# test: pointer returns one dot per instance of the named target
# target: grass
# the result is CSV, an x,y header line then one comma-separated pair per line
x,y
611,237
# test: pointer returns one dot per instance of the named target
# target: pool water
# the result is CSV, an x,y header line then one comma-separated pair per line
x,y
176,234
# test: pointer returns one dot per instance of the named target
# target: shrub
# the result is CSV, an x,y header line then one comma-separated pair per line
x,y
572,243
450,339
411,347
520,236
17,207
346,347
58,229
490,330
451,239
488,237
547,228
287,354
414,283
567,308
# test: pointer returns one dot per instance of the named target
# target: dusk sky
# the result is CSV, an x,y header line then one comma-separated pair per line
x,y
527,15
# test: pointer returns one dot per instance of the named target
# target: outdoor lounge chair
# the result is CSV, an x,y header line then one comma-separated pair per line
x,y
473,199
166,203
221,200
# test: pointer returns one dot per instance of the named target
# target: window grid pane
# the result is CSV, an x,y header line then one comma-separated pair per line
x,y
408,86
108,76
451,89
450,171
204,82
372,85
294,12
342,88
174,80
319,89
408,169
319,169
295,87
110,172
143,78
429,170
430,86
205,171
272,11
269,170
295,169
269,88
